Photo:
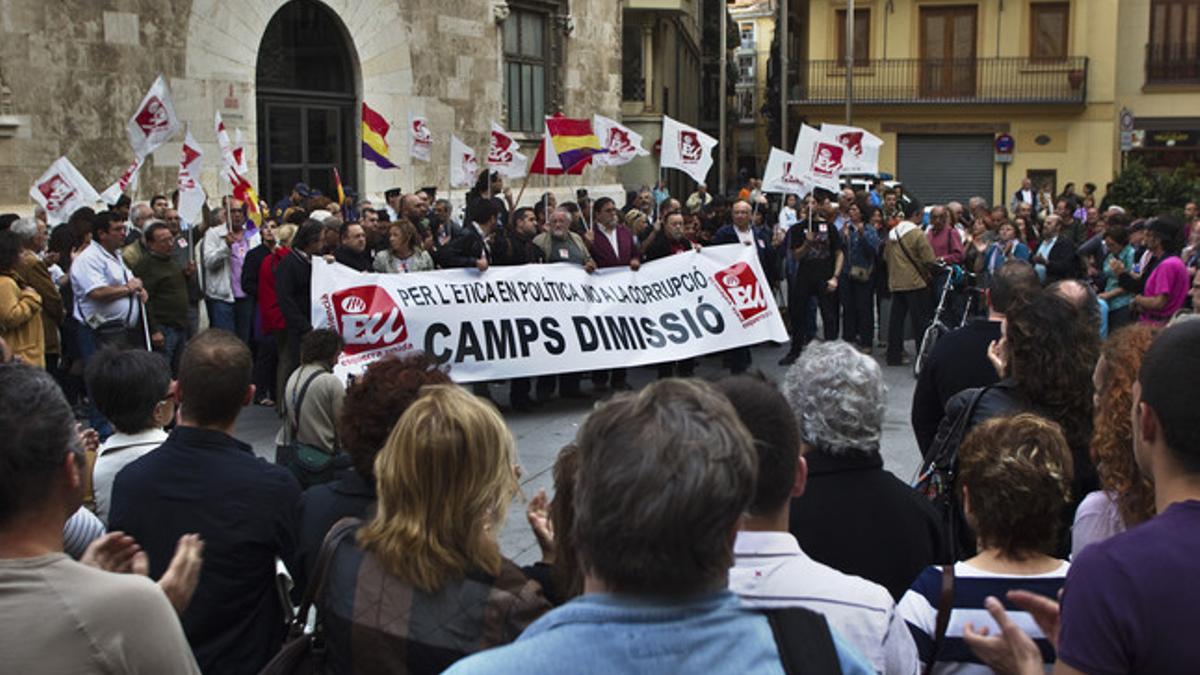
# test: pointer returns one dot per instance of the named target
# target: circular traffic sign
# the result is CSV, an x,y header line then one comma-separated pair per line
x,y
1005,144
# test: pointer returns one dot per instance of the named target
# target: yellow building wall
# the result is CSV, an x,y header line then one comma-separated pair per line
x,y
1131,89
1082,141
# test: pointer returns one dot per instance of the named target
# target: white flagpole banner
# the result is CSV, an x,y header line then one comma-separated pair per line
x,y
539,319
622,143
228,160
420,138
155,121
128,178
503,155
778,177
191,195
463,164
817,159
861,147
242,165
62,190
687,149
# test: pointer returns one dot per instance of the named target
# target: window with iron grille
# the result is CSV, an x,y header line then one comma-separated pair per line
x,y
1173,53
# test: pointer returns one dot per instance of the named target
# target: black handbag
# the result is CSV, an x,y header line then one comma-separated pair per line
x,y
303,653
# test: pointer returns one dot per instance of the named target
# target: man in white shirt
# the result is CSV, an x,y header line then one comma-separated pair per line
x,y
770,569
131,389
108,298
223,250
1026,195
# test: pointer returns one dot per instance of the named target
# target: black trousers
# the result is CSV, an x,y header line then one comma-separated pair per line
x,y
858,311
917,305
799,293
617,376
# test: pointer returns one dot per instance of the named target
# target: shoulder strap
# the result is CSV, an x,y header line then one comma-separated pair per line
x,y
920,269
297,402
316,584
804,641
945,607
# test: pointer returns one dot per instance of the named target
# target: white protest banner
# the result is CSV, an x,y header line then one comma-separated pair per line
x,y
463,164
155,121
62,190
128,178
228,159
503,156
818,159
242,165
191,195
778,177
538,319
420,138
687,149
861,148
622,143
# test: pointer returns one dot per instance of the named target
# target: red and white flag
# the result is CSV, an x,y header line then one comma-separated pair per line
x,y
687,149
778,177
155,121
861,148
503,154
622,143
191,195
463,164
228,159
62,190
420,138
241,164
819,159
127,181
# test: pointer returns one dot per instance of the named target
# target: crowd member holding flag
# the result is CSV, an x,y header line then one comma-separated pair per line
x,y
741,231
224,252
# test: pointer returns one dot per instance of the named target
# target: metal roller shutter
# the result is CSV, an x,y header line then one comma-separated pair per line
x,y
939,169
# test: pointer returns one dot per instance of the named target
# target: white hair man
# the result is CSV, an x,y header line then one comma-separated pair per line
x,y
854,516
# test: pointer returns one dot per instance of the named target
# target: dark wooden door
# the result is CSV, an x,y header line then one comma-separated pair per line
x,y
948,51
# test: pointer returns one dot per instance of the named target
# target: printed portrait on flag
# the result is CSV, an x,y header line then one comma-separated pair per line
x,y
852,142
153,116
827,159
500,149
56,191
689,146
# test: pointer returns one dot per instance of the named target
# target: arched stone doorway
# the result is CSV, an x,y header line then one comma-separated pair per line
x,y
307,101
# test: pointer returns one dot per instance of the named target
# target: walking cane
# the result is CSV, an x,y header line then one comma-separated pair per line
x,y
145,325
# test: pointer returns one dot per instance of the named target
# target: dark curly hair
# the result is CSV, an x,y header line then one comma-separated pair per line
x,y
1017,472
1112,439
376,400
1052,349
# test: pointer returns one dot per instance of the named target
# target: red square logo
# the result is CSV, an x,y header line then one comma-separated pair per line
x,y
368,319
742,288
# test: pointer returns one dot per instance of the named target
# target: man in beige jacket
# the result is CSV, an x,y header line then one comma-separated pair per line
x,y
909,258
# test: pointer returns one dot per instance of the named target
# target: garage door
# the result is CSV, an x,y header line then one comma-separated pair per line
x,y
938,169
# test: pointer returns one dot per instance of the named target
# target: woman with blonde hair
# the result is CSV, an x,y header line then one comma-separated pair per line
x,y
423,583
1126,495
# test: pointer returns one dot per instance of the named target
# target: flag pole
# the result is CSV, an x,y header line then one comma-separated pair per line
x,y
657,204
524,184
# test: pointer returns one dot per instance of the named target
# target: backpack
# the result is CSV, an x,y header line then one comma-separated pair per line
x,y
804,641
935,480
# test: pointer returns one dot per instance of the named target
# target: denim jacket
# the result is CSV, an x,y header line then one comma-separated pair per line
x,y
861,249
603,633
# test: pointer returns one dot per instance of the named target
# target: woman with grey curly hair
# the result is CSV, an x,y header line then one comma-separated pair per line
x,y
854,516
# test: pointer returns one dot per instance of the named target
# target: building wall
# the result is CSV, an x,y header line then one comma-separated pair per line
x,y
1079,142
77,70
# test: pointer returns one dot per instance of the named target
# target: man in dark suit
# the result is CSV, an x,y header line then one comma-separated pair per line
x,y
1055,258
741,231
612,245
472,248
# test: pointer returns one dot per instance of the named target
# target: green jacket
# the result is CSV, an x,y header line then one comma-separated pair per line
x,y
167,287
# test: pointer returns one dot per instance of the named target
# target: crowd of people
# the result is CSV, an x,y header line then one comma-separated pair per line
x,y
739,525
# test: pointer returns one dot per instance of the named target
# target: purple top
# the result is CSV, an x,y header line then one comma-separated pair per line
x,y
1170,277
1130,601
237,257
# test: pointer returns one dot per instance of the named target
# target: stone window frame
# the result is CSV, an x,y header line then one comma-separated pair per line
x,y
557,28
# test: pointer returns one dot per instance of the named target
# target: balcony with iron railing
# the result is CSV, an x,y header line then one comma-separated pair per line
x,y
1173,63
999,80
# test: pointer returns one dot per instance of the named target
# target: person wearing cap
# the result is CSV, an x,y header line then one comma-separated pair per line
x,y
296,198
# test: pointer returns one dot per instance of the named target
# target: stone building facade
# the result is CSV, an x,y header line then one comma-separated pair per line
x,y
71,74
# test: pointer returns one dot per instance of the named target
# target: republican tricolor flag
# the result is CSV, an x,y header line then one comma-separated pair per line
x,y
374,138
573,140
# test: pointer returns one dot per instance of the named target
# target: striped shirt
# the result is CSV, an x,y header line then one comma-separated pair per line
x,y
81,529
971,586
